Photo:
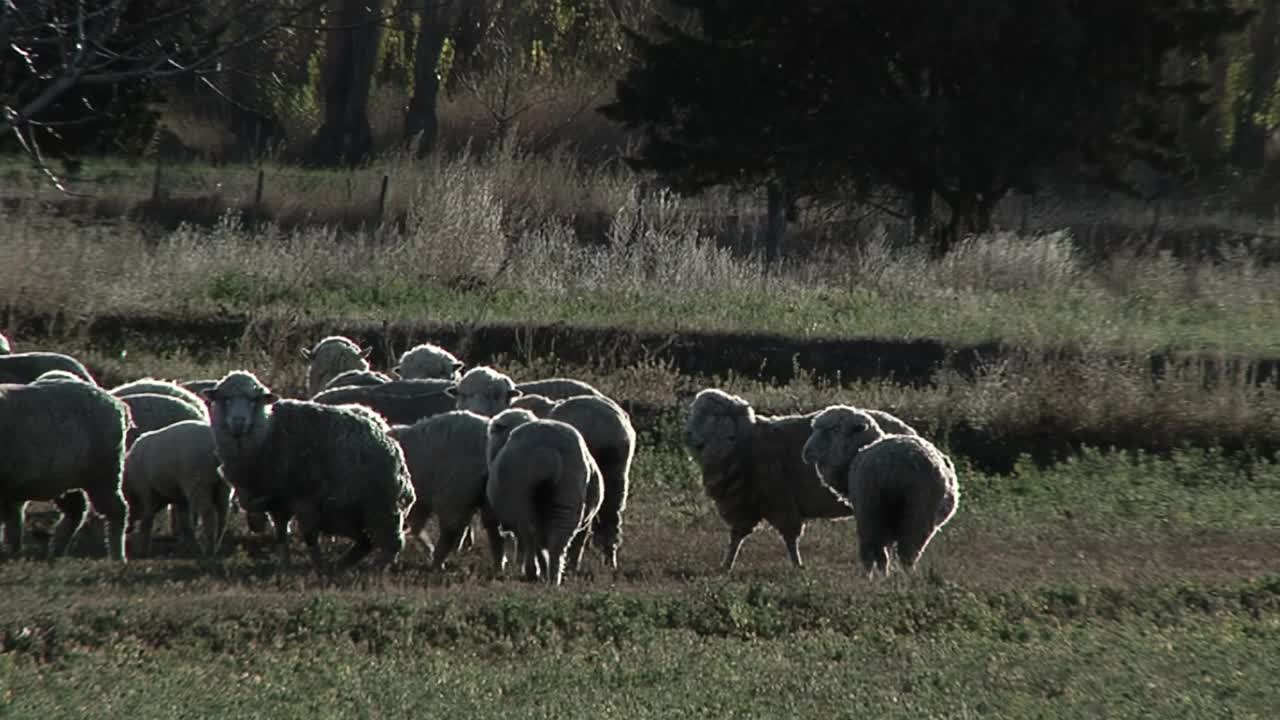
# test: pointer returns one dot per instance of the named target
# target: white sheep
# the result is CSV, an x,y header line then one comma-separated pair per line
x,y
26,367
752,468
356,378
484,391
63,440
152,412
335,468
557,388
903,488
178,465
399,402
331,356
544,484
611,439
59,376
428,362
447,460
154,386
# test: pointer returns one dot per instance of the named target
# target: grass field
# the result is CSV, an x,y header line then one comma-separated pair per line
x,y
1116,552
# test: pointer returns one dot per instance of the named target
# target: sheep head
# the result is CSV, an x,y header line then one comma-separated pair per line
x,y
428,362
240,406
484,391
838,434
717,423
500,427
539,405
330,357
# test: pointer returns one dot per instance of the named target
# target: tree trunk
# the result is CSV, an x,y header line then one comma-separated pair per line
x,y
421,121
921,209
776,222
1251,131
351,52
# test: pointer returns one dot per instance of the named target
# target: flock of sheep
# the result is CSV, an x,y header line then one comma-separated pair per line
x,y
371,457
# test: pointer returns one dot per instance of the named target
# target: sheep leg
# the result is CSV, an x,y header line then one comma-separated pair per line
x,y
466,540
791,537
577,544
529,553
109,502
184,533
308,527
737,536
418,516
222,511
146,525
11,519
74,507
280,519
918,528
497,543
606,528
256,522
450,537
361,547
202,510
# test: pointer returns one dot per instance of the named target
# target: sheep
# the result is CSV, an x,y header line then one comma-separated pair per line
x,y
447,460
178,465
399,402
331,356
752,469
902,487
354,378
544,484
152,412
153,386
834,466
557,388
428,362
611,439
5,348
335,468
26,367
58,376
63,440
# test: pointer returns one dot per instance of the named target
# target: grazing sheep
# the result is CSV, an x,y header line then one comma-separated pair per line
x,y
484,391
152,412
152,386
177,465
63,440
544,484
356,378
331,356
557,388
335,468
447,460
5,348
752,469
902,487
400,402
26,367
428,362
612,442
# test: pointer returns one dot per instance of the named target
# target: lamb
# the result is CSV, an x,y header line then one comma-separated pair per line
x,y
544,484
331,356
63,440
335,468
26,367
752,469
399,402
611,440
178,465
447,460
152,386
902,487
428,362
152,412
354,378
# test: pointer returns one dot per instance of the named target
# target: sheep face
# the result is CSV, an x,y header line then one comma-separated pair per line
x,y
331,357
240,406
838,434
428,362
718,422
500,427
484,391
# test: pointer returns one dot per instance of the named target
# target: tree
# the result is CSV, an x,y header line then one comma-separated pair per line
x,y
963,101
435,19
75,74
350,54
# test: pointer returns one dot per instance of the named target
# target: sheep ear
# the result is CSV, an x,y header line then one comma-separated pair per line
x,y
306,353
268,398
396,370
458,366
210,394
514,393
366,352
451,391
